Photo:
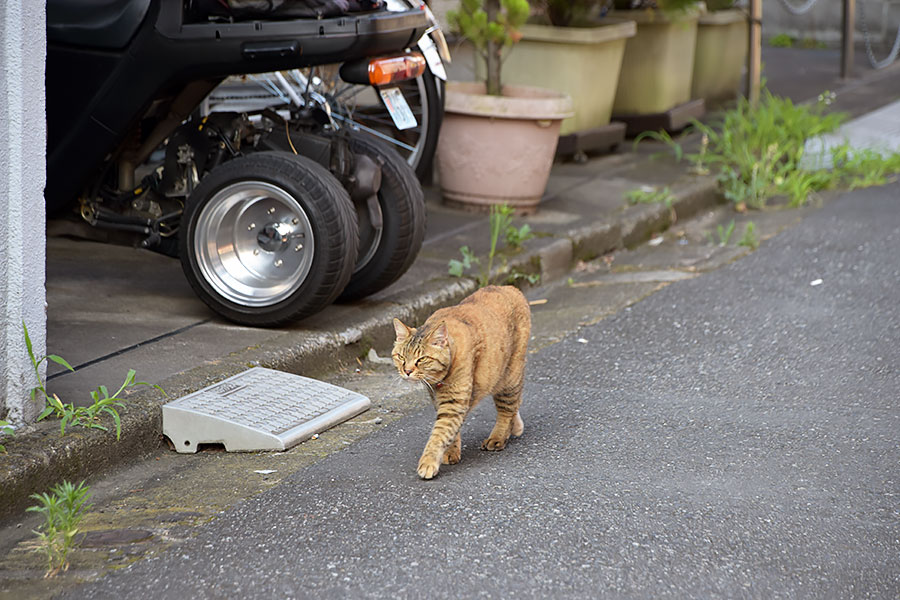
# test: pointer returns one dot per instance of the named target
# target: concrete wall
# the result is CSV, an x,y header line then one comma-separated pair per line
x,y
823,22
22,215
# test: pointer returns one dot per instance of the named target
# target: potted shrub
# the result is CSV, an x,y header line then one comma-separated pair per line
x,y
569,46
654,90
497,141
721,53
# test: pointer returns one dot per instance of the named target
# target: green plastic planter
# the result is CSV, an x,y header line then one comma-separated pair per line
x,y
658,63
583,62
720,56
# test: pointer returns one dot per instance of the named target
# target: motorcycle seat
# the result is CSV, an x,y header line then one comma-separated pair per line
x,y
94,23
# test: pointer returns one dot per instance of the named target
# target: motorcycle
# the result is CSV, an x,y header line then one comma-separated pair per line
x,y
273,216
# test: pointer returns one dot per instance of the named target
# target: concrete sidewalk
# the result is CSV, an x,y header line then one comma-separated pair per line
x,y
113,308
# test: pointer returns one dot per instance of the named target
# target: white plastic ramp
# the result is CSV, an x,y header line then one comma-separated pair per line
x,y
259,409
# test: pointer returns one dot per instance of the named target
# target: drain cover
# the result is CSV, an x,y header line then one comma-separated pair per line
x,y
259,409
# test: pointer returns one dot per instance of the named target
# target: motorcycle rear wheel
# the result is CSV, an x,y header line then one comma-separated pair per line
x,y
268,238
386,253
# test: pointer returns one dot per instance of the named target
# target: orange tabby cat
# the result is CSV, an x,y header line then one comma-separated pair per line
x,y
464,353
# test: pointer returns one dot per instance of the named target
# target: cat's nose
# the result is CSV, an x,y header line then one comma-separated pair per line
x,y
407,371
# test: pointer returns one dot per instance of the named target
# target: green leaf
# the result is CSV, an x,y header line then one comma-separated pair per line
x,y
455,268
56,402
60,361
28,342
45,413
117,420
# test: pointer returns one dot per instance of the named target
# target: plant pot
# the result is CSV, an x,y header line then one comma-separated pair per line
x,y
720,56
498,149
658,63
583,62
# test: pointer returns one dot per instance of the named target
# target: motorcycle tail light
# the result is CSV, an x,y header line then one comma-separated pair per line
x,y
383,71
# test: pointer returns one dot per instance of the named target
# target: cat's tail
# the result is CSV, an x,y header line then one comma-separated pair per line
x,y
518,425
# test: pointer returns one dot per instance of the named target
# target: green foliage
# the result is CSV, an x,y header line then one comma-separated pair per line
x,y
63,508
513,236
758,152
864,168
35,363
471,20
458,267
500,224
5,429
749,238
490,36
661,136
83,416
782,40
724,233
650,195
514,277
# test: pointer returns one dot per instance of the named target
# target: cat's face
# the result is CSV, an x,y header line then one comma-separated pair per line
x,y
421,357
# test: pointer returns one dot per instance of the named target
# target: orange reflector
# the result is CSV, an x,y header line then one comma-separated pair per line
x,y
383,71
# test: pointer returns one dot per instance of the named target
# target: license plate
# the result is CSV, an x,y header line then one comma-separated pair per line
x,y
398,108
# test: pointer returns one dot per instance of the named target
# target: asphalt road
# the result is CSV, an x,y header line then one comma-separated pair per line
x,y
733,435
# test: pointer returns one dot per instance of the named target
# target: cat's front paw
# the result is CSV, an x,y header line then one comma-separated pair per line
x,y
428,467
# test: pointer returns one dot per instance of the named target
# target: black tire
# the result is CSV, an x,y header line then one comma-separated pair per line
x,y
384,257
306,224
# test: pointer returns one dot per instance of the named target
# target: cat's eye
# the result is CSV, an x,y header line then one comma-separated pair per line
x,y
419,360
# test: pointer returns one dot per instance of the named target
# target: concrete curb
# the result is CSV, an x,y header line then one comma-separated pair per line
x,y
41,458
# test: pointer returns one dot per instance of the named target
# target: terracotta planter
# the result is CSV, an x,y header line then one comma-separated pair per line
x,y
583,62
658,63
498,149
720,56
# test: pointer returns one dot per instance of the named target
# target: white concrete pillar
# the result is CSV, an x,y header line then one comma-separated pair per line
x,y
23,48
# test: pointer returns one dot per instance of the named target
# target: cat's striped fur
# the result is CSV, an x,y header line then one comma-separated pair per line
x,y
463,353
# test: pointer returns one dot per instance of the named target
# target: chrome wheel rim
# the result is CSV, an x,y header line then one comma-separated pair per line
x,y
254,243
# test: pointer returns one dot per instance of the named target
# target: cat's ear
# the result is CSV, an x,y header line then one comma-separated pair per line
x,y
439,337
401,330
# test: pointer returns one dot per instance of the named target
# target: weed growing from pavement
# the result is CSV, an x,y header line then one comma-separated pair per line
x,y
513,237
63,508
760,152
650,195
515,277
749,238
36,363
83,416
5,429
782,40
725,233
